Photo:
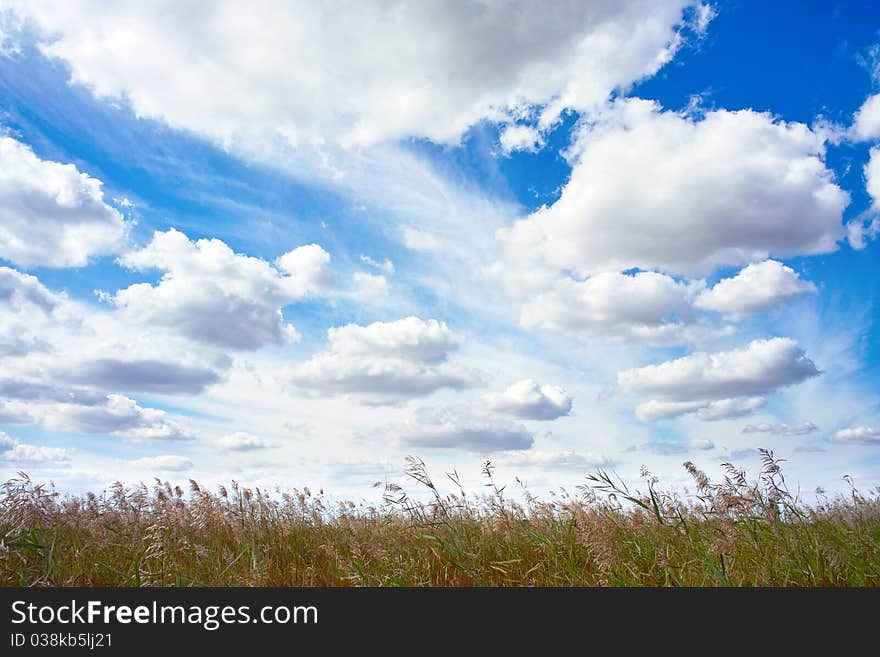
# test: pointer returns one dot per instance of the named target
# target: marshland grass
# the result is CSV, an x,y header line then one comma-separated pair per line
x,y
734,532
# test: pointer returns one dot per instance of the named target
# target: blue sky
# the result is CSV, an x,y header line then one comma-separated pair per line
x,y
293,247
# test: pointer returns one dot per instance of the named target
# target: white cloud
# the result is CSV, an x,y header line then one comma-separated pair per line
x,y
411,338
547,460
530,400
653,410
705,14
809,449
386,266
17,453
867,226
243,442
28,309
307,267
14,413
62,350
719,409
659,190
166,462
519,137
760,367
215,296
420,240
799,429
872,176
641,307
756,287
119,416
384,362
453,428
857,436
371,286
664,448
155,376
725,409
866,123
51,214
372,72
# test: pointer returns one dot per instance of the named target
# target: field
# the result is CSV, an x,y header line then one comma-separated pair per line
x,y
734,532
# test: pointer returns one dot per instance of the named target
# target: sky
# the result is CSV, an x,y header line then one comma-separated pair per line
x,y
293,244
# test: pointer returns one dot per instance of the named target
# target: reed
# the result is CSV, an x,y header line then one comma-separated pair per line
x,y
733,532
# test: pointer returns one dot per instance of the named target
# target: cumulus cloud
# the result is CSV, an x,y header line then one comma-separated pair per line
x,y
165,462
799,429
866,122
383,380
531,400
643,306
857,436
412,338
445,428
760,367
653,410
36,390
719,409
213,295
866,227
725,409
58,350
51,214
872,176
383,362
243,442
11,413
519,137
14,452
153,376
119,416
653,189
30,314
757,287
363,75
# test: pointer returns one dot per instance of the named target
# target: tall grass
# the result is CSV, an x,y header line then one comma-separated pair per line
x,y
733,532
